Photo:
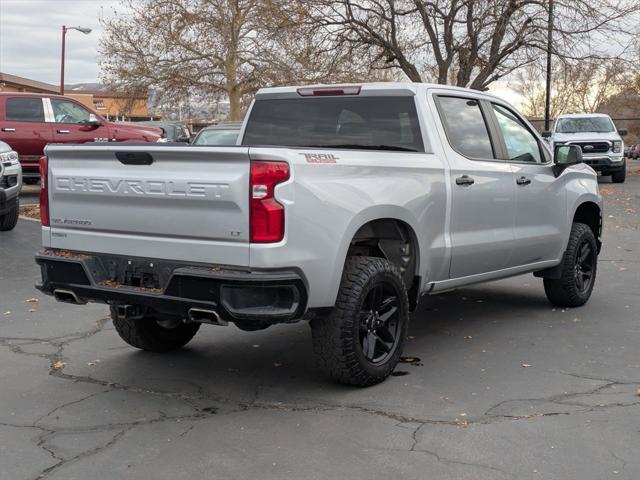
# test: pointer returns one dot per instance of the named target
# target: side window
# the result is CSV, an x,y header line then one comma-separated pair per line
x,y
70,112
466,128
25,109
522,145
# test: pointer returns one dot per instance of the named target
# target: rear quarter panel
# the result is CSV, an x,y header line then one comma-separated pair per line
x,y
326,203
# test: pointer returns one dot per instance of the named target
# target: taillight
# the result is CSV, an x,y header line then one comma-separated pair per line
x,y
266,217
44,192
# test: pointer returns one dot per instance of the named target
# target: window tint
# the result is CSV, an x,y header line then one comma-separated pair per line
x,y
522,145
466,128
70,112
374,123
25,109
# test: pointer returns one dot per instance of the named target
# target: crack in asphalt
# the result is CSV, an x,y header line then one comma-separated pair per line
x,y
199,412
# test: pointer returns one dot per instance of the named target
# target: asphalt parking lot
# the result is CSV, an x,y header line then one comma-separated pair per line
x,y
502,385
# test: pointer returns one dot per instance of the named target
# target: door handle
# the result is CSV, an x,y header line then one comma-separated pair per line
x,y
465,180
8,129
523,181
63,131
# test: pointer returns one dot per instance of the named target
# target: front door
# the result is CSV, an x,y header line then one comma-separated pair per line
x,y
483,190
73,123
540,197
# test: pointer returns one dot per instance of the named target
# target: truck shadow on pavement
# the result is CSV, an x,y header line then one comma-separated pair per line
x,y
276,365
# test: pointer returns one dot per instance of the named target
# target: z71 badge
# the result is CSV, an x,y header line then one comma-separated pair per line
x,y
320,157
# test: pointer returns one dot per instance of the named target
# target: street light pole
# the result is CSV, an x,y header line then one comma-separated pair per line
x,y
64,33
547,103
86,31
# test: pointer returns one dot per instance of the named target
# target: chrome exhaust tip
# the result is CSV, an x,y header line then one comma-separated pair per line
x,y
211,317
68,296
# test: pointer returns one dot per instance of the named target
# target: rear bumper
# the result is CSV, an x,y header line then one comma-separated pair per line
x,y
235,295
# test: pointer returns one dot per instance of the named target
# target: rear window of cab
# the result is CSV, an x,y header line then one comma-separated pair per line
x,y
369,123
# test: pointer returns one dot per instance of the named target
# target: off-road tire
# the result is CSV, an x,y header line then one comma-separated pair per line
x,y
336,336
146,334
9,220
620,176
564,292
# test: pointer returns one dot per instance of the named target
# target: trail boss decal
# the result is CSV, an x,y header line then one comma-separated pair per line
x,y
320,157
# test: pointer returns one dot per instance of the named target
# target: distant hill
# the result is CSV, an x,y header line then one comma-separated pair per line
x,y
83,86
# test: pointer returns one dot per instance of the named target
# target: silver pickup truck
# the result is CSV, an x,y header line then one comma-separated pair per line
x,y
341,205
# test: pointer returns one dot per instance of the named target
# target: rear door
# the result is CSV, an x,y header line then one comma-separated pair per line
x,y
540,220
151,201
71,123
25,130
482,186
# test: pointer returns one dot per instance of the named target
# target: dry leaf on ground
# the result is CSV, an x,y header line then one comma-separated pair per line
x,y
58,365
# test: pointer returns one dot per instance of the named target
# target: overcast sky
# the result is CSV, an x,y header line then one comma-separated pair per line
x,y
30,38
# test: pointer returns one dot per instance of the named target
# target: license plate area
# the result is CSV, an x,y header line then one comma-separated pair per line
x,y
140,274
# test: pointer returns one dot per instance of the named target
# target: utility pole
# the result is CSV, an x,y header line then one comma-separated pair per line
x,y
547,102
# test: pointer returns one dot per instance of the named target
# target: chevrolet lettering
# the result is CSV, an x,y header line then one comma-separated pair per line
x,y
141,187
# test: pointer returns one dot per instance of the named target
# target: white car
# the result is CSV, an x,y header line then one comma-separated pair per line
x,y
601,142
10,183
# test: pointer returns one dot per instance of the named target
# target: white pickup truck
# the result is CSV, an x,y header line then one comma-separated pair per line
x,y
10,185
601,142
341,205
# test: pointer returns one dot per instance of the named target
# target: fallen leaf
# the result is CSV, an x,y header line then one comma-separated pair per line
x,y
58,365
32,300
409,359
526,365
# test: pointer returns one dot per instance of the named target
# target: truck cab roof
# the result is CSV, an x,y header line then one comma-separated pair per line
x,y
365,89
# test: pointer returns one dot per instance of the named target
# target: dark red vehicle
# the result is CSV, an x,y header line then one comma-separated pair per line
x,y
29,121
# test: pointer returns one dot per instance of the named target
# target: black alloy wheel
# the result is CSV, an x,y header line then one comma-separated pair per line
x,y
379,324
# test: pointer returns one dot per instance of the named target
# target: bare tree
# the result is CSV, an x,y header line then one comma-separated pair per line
x,y
229,47
472,42
577,86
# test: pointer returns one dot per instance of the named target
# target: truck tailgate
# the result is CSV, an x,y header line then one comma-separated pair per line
x,y
152,201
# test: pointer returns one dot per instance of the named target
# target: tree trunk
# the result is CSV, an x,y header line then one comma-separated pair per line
x,y
234,105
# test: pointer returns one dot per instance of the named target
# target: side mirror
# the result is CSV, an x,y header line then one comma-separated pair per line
x,y
546,134
565,155
623,132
